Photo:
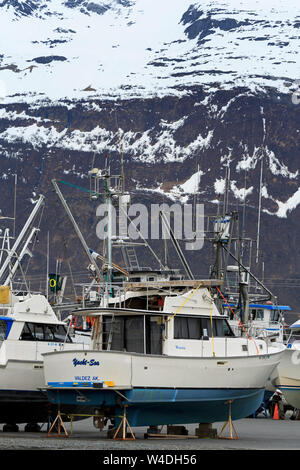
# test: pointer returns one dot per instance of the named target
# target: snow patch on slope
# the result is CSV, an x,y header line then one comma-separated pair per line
x,y
121,49
145,147
180,192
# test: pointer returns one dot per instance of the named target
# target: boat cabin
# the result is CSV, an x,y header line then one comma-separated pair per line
x,y
185,317
267,318
29,317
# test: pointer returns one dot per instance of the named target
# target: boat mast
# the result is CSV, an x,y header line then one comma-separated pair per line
x,y
80,236
25,250
259,210
15,204
13,250
177,247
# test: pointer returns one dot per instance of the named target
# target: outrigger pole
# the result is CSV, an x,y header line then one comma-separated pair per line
x,y
22,234
177,247
80,236
271,295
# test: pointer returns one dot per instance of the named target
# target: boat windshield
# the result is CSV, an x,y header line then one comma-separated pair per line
x,y
275,315
257,314
44,332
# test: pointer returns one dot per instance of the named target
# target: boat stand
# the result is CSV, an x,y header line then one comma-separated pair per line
x,y
60,424
124,423
233,433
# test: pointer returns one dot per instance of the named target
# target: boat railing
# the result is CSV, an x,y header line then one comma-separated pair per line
x,y
97,293
100,293
263,329
293,337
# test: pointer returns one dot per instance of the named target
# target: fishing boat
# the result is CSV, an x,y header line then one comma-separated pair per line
x,y
29,327
266,319
160,347
176,361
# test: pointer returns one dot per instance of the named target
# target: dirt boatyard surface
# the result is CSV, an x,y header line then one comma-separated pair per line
x,y
253,434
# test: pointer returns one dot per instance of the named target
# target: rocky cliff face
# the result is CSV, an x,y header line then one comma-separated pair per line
x,y
226,110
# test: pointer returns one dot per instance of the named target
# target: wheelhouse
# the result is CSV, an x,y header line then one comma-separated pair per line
x,y
258,312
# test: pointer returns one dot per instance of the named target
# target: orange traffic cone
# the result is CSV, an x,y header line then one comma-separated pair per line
x,y
276,412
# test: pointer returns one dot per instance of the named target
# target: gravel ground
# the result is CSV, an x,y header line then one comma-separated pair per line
x,y
253,434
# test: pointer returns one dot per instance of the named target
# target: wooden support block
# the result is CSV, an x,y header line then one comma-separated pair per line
x,y
205,430
177,430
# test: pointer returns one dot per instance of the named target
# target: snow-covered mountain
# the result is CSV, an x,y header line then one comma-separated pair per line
x,y
56,49
190,92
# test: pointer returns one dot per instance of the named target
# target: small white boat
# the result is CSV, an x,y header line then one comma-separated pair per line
x,y
288,371
177,361
29,327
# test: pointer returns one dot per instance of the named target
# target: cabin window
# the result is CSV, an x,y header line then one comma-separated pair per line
x,y
230,312
136,303
226,329
196,328
3,328
187,328
154,332
274,315
134,334
27,333
123,334
257,314
129,332
41,332
114,340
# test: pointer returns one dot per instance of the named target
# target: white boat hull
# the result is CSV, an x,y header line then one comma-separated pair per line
x,y
139,370
22,381
160,389
288,376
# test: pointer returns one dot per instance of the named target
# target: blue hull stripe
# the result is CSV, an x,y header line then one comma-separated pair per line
x,y
289,387
148,407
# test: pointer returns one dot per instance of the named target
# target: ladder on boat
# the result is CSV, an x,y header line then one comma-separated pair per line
x,y
131,258
106,333
128,252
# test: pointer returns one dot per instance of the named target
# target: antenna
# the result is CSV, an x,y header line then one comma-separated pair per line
x,y
47,279
15,205
259,210
244,204
260,189
226,191
121,155
196,194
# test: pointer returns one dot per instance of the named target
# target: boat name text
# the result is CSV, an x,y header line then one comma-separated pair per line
x,y
85,362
